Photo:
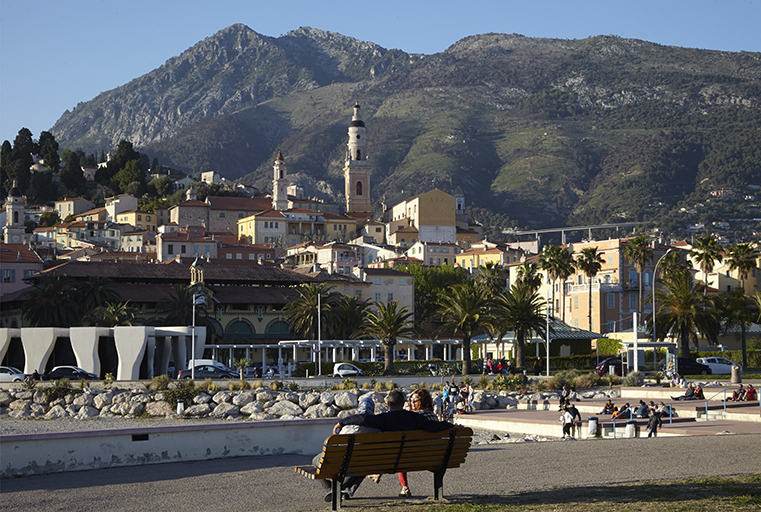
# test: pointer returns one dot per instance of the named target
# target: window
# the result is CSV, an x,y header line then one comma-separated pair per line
x,y
9,275
390,297
377,280
229,256
402,281
251,256
140,217
195,249
147,218
359,183
632,301
221,215
377,297
240,215
182,249
611,301
170,249
576,302
239,256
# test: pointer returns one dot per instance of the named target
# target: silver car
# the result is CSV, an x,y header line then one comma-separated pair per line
x,y
719,365
11,374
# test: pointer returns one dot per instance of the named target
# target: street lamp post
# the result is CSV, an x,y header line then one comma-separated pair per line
x,y
319,333
198,298
655,271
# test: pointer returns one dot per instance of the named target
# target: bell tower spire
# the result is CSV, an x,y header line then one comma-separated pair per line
x,y
357,170
280,184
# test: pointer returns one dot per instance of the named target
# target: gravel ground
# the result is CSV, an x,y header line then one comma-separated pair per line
x,y
36,426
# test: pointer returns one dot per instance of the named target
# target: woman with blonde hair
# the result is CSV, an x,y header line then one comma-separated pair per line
x,y
420,401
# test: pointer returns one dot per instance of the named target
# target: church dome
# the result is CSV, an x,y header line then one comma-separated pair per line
x,y
357,122
14,191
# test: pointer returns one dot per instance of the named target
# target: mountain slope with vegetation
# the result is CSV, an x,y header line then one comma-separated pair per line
x,y
535,132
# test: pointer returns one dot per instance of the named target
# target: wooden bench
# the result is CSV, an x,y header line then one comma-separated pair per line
x,y
350,455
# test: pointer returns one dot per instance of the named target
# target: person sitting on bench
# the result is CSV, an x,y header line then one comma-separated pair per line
x,y
738,395
689,394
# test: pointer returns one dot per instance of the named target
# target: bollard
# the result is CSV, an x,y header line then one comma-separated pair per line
x,y
180,406
737,376
592,429
631,427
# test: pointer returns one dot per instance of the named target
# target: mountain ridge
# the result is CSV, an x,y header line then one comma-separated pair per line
x,y
544,131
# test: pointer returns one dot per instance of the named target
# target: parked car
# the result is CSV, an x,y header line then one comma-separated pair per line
x,y
206,371
70,372
11,374
719,365
687,366
344,370
604,367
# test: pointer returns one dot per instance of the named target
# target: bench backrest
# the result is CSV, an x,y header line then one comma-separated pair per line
x,y
391,452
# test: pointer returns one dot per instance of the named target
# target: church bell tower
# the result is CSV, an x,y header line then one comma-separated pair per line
x,y
357,171
14,220
280,184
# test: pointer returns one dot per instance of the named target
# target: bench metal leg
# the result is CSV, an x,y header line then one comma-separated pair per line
x,y
336,492
438,484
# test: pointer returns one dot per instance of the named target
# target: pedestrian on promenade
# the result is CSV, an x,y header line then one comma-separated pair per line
x,y
654,423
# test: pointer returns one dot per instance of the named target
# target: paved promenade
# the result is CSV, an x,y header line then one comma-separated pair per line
x,y
269,483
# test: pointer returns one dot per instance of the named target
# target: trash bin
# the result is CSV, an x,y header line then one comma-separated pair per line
x,y
737,376
592,429
180,406
631,427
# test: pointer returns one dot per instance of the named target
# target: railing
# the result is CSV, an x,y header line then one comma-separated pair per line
x,y
724,392
631,417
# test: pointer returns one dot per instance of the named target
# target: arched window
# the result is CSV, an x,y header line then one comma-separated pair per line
x,y
278,327
239,327
15,217
359,155
359,188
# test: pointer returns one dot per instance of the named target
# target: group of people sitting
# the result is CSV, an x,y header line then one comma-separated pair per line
x,y
501,367
457,399
693,392
627,412
743,394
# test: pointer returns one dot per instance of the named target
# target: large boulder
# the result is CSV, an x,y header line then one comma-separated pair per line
x,y
243,399
5,398
346,400
56,412
224,409
83,399
24,395
86,412
308,399
262,416
320,411
198,410
159,409
40,398
285,407
201,398
103,399
252,407
327,398
20,405
266,395
222,397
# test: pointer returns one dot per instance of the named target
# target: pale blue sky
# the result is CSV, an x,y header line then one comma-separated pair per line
x,y
55,54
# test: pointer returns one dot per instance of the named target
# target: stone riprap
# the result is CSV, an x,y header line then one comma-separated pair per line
x,y
257,404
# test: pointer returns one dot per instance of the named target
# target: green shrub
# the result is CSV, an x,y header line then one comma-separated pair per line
x,y
293,386
585,381
634,379
59,389
185,391
160,382
562,378
541,385
483,382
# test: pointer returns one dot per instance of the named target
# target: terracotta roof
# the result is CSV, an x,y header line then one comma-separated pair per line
x,y
385,272
179,273
193,203
17,253
271,213
252,204
137,293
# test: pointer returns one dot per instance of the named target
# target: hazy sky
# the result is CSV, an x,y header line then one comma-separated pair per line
x,y
55,54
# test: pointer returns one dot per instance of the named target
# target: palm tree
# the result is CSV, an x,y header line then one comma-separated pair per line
x,y
96,292
558,263
302,313
743,258
112,315
528,273
705,253
464,309
736,308
589,263
51,303
490,280
347,316
177,309
521,309
682,311
673,262
388,325
639,253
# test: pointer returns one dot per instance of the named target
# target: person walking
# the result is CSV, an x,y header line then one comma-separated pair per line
x,y
654,423
567,420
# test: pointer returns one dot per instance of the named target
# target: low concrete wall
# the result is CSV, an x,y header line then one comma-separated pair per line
x,y
35,454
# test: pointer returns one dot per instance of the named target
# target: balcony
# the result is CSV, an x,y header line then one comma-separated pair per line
x,y
596,287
